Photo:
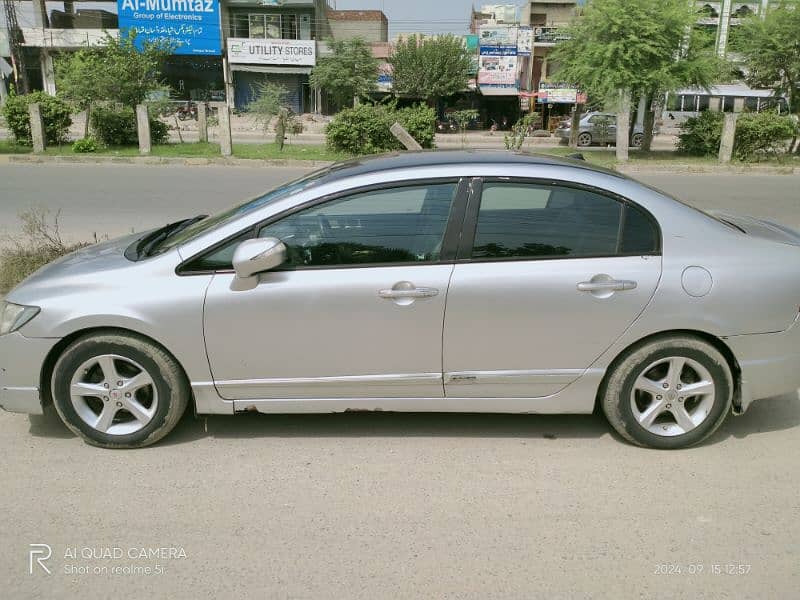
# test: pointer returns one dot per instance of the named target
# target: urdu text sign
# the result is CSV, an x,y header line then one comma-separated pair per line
x,y
191,24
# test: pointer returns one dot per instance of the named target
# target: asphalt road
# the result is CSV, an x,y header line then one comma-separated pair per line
x,y
390,506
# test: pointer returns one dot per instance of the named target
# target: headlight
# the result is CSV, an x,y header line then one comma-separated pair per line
x,y
14,316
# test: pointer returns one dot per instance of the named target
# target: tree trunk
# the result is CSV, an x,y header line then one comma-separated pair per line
x,y
648,124
86,124
575,126
623,124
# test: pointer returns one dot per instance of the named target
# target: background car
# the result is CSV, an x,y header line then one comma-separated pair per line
x,y
599,128
433,281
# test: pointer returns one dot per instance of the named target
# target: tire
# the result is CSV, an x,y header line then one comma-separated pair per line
x,y
146,407
642,399
584,139
636,140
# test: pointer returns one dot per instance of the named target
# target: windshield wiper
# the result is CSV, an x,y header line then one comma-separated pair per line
x,y
151,241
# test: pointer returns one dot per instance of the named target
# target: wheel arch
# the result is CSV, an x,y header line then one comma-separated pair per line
x,y
717,342
56,351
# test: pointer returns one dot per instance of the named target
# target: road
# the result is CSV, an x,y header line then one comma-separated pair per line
x,y
390,506
116,199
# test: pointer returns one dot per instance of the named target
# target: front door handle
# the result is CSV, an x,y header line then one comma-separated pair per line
x,y
607,285
417,292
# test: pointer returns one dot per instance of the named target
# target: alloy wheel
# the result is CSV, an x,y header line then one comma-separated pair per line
x,y
113,394
672,396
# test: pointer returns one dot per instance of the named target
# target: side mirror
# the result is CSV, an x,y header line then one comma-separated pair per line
x,y
252,257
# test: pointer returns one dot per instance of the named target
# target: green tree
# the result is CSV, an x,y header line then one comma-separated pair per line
x,y
350,74
118,70
430,68
771,51
621,49
270,102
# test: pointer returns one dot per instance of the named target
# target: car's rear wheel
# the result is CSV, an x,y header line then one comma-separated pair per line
x,y
585,139
118,390
636,140
671,392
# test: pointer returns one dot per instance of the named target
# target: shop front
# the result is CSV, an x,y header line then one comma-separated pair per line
x,y
285,62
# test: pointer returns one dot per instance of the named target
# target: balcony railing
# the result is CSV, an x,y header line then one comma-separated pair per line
x,y
65,38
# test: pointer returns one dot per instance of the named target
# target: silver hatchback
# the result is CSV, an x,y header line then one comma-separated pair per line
x,y
443,281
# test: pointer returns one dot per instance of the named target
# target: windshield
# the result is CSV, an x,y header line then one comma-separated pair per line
x,y
189,233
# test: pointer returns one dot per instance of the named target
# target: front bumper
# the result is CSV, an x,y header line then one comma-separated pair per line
x,y
770,363
21,361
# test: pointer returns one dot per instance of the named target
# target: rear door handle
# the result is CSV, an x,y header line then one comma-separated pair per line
x,y
612,285
420,292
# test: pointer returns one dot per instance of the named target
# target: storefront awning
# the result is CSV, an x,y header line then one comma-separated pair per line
x,y
270,69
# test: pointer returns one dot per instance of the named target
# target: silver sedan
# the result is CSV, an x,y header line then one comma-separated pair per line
x,y
444,281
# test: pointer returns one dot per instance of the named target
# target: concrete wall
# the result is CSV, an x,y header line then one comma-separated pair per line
x,y
371,31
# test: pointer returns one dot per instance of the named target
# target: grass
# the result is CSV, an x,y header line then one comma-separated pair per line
x,y
599,156
193,150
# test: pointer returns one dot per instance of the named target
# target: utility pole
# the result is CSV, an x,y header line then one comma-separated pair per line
x,y
15,46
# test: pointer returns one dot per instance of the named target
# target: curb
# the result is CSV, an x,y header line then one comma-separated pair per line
x,y
162,160
317,164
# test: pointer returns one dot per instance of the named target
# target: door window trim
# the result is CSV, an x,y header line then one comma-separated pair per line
x,y
450,238
464,254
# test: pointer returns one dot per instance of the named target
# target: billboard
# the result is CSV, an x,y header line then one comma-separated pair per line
x,y
559,93
524,41
191,24
498,36
498,71
256,51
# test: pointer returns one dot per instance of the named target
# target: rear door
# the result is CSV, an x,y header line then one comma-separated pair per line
x,y
548,276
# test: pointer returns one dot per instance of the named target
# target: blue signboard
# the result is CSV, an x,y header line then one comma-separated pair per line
x,y
193,25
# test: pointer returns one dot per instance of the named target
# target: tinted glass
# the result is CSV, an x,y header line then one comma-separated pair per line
x,y
529,220
639,234
398,225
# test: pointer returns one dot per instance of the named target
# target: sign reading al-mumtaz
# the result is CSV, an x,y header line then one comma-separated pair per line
x,y
272,52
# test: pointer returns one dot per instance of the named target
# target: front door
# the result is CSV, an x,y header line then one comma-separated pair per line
x,y
550,277
356,313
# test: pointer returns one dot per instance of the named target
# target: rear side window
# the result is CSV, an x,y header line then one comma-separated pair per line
x,y
520,220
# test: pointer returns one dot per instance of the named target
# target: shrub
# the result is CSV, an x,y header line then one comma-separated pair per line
x,y
365,128
117,127
701,135
56,115
763,134
85,145
39,244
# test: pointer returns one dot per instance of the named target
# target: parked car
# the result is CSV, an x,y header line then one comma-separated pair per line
x,y
567,288
599,128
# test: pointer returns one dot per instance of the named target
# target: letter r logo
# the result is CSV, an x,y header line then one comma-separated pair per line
x,y
39,553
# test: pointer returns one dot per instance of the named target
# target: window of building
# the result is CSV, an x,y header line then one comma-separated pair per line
x,y
519,220
264,26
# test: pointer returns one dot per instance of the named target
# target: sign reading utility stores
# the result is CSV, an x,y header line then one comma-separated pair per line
x,y
193,25
272,52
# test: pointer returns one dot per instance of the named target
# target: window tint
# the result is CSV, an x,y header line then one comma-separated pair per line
x,y
529,220
398,225
639,234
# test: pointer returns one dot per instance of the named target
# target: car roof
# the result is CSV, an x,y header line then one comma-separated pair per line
x,y
443,158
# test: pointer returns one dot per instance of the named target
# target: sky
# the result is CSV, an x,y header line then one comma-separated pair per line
x,y
426,16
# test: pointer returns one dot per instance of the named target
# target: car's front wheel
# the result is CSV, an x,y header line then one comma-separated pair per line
x,y
585,139
636,140
118,390
671,392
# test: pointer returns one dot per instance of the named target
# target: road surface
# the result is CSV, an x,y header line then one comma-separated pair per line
x,y
388,506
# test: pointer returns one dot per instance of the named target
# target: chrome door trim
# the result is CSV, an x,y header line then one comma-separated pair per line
x,y
388,379
528,376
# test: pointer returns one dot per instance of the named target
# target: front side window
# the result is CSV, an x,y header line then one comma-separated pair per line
x,y
396,225
518,220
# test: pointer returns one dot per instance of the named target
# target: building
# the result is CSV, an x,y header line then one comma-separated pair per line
x,y
370,25
547,19
722,17
275,41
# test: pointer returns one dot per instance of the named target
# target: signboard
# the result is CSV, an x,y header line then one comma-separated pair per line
x,y
191,24
559,93
498,35
524,41
498,71
272,52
